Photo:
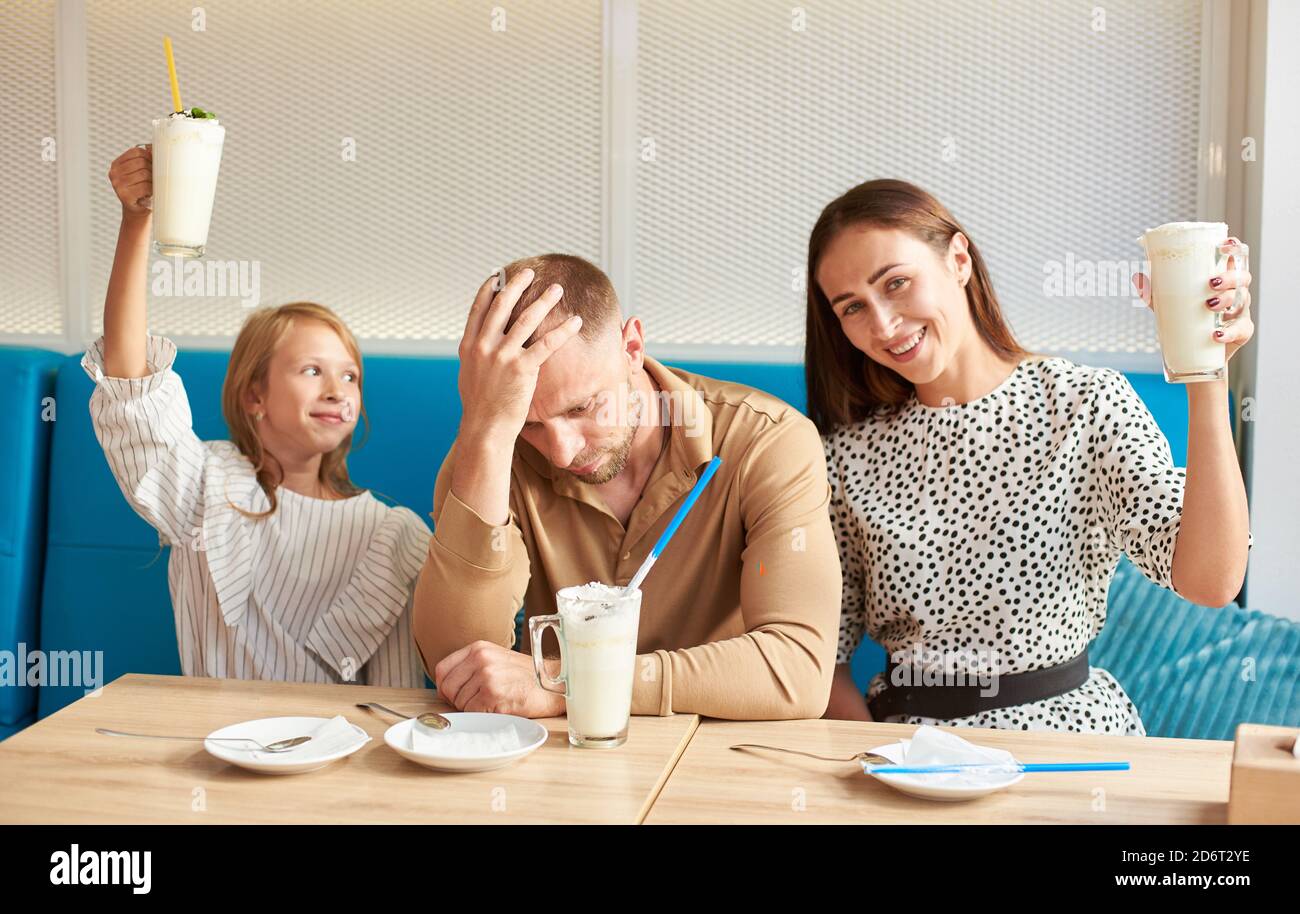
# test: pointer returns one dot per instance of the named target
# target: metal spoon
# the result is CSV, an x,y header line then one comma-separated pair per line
x,y
428,722
871,758
280,745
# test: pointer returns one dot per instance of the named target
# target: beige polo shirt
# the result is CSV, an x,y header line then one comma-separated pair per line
x,y
740,615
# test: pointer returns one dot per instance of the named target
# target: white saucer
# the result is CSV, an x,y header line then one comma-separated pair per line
x,y
531,736
268,730
933,786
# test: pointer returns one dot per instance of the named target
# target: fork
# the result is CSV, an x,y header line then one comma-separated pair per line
x,y
280,745
889,766
871,758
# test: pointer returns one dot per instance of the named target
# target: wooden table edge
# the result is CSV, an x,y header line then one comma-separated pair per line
x,y
643,811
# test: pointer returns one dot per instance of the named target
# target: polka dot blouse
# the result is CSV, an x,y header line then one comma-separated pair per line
x,y
993,529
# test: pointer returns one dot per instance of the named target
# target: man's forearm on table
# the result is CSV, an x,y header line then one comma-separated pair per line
x,y
767,674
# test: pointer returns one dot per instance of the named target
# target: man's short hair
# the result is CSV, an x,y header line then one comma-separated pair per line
x,y
588,293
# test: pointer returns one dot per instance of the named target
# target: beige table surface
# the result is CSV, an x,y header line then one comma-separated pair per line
x,y
59,770
1171,781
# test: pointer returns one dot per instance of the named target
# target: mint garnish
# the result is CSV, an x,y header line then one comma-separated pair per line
x,y
200,113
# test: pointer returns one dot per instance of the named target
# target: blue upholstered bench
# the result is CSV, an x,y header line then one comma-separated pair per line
x,y
1193,671
26,411
105,580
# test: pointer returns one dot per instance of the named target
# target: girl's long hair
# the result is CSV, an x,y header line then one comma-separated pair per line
x,y
844,383
249,359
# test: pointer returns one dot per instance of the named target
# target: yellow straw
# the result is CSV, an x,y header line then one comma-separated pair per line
x,y
171,71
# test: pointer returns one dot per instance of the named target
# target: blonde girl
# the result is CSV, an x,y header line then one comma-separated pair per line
x,y
281,567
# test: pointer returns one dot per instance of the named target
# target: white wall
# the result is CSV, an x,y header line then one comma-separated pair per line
x,y
1272,437
686,146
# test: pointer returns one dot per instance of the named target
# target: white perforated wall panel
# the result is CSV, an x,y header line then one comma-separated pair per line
x,y
474,145
1055,141
1047,138
29,180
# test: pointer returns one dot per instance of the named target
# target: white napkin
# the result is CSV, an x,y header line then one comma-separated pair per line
x,y
931,746
335,735
465,743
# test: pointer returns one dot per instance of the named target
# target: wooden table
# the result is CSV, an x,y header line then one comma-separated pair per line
x,y
59,770
1171,781
672,770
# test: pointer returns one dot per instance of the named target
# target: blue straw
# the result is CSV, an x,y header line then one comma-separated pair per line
x,y
676,522
1053,766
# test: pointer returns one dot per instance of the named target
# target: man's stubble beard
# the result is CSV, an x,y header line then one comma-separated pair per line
x,y
619,453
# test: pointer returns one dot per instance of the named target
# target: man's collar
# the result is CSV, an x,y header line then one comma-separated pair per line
x,y
690,424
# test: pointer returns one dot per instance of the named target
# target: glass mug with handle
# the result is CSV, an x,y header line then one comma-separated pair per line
x,y
186,160
1183,257
596,626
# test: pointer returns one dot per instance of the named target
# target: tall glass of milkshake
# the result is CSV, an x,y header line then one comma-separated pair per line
x,y
597,628
1183,257
186,158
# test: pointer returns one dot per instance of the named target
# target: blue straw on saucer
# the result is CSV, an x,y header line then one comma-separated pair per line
x,y
997,766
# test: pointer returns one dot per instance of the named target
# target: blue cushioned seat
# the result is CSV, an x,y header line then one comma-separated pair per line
x,y
1193,671
27,417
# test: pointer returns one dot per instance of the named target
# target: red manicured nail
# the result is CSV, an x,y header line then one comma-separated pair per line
x,y
1216,282
1210,303
1218,334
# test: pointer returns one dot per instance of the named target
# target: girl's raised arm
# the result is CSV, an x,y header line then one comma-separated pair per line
x,y
125,331
139,408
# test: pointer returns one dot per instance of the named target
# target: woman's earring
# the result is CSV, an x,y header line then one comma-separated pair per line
x,y
259,416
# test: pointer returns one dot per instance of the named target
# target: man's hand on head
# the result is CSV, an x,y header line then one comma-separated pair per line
x,y
498,376
497,380
483,676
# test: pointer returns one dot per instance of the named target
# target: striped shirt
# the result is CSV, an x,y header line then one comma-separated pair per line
x,y
319,591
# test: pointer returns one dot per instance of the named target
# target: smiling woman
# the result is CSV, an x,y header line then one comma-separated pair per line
x,y
982,495
927,260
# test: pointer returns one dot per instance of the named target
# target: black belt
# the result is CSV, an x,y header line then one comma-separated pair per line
x,y
947,702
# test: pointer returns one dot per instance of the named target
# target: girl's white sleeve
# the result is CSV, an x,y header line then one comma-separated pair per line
x,y
146,431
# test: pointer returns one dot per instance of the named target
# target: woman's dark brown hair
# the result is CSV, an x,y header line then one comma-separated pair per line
x,y
844,383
